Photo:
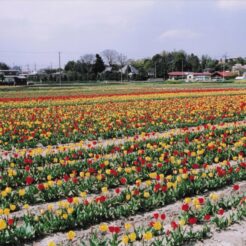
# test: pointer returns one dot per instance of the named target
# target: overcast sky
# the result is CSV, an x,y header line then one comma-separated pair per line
x,y
32,32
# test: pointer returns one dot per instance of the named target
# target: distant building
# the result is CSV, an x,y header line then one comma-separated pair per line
x,y
199,77
202,77
10,72
129,70
12,77
178,75
190,76
151,73
223,75
243,77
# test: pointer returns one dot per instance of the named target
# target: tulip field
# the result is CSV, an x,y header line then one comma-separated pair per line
x,y
164,167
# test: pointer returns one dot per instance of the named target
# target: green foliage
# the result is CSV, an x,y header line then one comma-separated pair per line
x,y
98,66
3,66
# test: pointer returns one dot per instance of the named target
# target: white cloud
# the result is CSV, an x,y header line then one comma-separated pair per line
x,y
179,33
231,4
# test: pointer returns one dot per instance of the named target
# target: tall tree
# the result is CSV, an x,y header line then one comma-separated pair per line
x,y
193,63
110,56
122,61
157,62
88,60
179,60
4,66
98,66
70,66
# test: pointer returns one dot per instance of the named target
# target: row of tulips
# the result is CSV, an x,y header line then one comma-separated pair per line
x,y
40,157
193,152
93,180
75,214
27,127
110,146
41,101
198,211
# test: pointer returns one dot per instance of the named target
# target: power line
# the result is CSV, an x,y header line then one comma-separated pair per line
x,y
59,57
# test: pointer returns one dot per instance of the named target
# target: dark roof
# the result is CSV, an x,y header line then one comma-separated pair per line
x,y
132,69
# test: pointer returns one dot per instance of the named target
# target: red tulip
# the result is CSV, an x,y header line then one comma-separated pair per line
x,y
156,215
66,177
163,216
75,180
164,188
201,200
185,207
174,225
207,217
221,211
235,187
29,180
10,221
114,229
70,199
117,190
41,187
192,220
27,168
123,180
117,229
86,202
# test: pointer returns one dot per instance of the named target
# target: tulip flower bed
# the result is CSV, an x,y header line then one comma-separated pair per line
x,y
198,211
142,159
27,127
48,188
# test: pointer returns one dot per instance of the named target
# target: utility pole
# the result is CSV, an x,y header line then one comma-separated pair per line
x,y
121,77
223,71
224,61
155,69
182,69
59,57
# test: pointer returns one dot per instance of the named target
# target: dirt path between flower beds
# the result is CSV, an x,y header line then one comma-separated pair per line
x,y
171,211
234,236
116,141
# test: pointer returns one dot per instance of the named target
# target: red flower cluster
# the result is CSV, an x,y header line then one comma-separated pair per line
x,y
114,229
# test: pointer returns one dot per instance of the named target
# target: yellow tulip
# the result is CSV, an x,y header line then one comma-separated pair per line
x,y
71,235
103,227
3,224
148,235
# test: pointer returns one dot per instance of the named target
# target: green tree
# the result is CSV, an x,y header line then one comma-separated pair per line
x,y
3,66
158,65
193,63
98,66
70,66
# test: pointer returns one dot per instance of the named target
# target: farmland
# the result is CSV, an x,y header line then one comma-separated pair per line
x,y
140,166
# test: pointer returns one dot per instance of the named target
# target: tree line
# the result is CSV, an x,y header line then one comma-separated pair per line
x,y
161,64
104,66
108,65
